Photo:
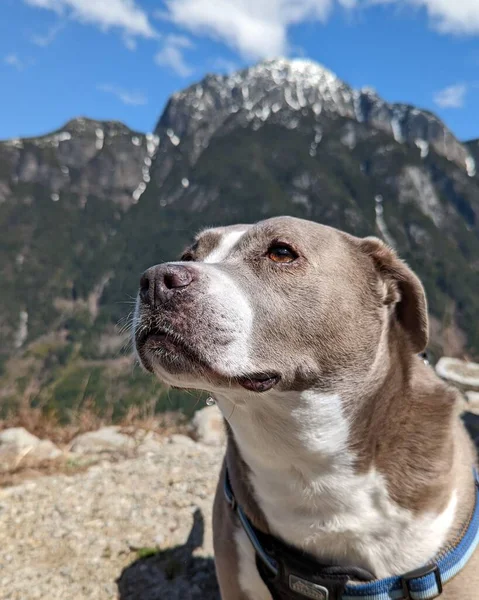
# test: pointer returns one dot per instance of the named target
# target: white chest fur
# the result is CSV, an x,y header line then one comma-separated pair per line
x,y
304,480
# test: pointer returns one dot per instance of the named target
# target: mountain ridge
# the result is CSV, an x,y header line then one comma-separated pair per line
x,y
282,137
280,83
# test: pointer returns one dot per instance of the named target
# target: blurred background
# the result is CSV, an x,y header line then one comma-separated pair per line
x,y
127,125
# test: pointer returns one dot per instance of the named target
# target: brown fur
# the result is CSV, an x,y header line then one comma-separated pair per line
x,y
405,291
405,431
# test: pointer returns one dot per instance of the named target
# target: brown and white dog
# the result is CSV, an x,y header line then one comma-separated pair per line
x,y
341,441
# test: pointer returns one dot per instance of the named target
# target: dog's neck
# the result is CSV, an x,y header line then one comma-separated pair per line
x,y
320,475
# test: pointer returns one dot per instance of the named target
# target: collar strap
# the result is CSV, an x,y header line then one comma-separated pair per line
x,y
251,531
425,583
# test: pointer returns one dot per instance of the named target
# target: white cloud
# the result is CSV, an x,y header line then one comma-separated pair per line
x,y
254,28
171,54
132,98
447,16
259,28
122,14
13,60
45,40
452,96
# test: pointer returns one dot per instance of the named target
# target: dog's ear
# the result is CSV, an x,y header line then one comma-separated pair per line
x,y
402,290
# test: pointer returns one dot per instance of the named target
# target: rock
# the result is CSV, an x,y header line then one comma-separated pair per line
x,y
45,450
18,446
182,440
150,446
18,436
463,374
208,426
107,439
472,404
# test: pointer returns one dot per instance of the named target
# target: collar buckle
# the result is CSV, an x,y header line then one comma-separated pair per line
x,y
308,589
420,574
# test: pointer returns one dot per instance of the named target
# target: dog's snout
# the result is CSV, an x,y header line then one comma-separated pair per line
x,y
160,282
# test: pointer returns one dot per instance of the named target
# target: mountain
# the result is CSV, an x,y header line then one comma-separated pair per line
x,y
473,148
85,209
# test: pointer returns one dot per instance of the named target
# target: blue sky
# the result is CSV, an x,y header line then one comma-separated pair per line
x,y
122,59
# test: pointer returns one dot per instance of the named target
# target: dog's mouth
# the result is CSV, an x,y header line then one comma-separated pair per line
x,y
167,344
259,382
157,340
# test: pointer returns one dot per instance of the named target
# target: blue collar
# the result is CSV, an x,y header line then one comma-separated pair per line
x,y
425,583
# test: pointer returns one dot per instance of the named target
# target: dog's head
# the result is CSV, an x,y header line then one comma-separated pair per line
x,y
284,303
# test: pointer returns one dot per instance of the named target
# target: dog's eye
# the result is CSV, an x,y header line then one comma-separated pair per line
x,y
281,253
189,254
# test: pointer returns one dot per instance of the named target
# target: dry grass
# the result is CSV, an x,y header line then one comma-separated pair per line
x,y
47,425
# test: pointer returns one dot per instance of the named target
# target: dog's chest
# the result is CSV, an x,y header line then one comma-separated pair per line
x,y
302,472
344,518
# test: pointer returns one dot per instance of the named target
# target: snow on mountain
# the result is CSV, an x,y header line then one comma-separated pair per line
x,y
289,86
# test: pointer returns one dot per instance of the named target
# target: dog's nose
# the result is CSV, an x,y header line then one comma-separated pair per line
x,y
162,281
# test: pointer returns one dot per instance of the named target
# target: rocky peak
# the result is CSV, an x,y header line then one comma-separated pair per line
x,y
82,125
281,85
264,89
77,127
85,156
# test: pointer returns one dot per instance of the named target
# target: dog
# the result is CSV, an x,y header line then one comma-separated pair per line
x,y
347,465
